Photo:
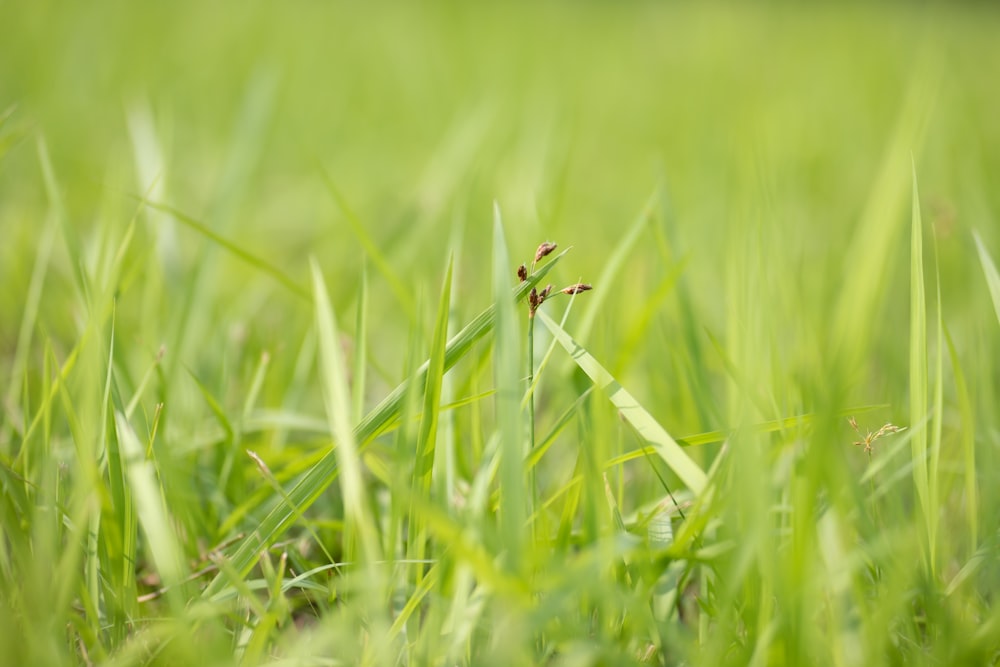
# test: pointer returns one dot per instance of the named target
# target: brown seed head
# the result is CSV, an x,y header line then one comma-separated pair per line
x,y
544,250
533,301
522,273
577,288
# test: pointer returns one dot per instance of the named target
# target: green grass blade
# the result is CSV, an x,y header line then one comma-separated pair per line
x,y
423,467
650,430
937,412
968,440
918,364
871,248
381,262
427,435
336,398
506,365
248,257
360,373
153,517
614,264
990,269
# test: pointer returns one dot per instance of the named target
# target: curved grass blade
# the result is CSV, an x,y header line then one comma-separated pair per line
x,y
260,264
423,468
666,447
918,365
337,399
990,269
506,345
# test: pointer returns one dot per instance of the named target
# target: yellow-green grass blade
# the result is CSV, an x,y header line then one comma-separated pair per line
x,y
870,252
313,483
336,397
119,527
614,264
424,463
381,262
665,446
152,515
918,365
506,362
248,257
937,416
423,467
968,439
990,269
360,370
564,420
770,426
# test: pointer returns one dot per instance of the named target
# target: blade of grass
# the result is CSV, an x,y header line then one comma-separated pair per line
x,y
918,367
336,398
871,247
506,347
968,439
666,447
423,467
256,262
152,515
937,412
614,264
360,373
382,263
990,269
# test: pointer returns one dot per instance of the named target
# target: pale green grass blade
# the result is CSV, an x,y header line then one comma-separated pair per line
x,y
612,267
423,466
381,262
427,436
255,386
120,550
29,312
918,365
564,420
251,259
506,364
360,373
770,426
650,430
322,474
336,397
937,416
10,137
990,269
968,440
152,515
639,329
870,252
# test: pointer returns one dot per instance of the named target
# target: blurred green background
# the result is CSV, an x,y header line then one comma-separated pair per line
x,y
569,116
775,142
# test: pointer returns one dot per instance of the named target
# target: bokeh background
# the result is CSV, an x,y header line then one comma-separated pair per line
x,y
768,151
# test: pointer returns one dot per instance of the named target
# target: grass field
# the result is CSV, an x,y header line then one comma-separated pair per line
x,y
274,393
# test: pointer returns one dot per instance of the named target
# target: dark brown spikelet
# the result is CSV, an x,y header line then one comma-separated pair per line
x,y
544,293
543,250
522,273
577,288
533,300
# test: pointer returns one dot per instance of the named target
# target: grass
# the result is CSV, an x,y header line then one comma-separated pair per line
x,y
276,392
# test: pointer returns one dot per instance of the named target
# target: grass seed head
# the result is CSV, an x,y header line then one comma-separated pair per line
x,y
577,288
544,249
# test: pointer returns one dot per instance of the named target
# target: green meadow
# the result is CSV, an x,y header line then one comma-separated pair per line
x,y
291,373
